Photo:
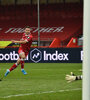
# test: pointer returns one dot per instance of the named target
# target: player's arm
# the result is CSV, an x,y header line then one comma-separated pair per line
x,y
73,77
20,42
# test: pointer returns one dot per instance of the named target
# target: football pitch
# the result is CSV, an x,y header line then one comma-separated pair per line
x,y
44,81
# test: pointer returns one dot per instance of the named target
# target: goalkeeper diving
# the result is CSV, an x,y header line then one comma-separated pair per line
x,y
71,77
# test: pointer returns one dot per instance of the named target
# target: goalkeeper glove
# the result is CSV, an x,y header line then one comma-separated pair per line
x,y
72,77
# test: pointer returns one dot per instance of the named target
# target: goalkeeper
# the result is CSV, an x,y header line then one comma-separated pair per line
x,y
73,77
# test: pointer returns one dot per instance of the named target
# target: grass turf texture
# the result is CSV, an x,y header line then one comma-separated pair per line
x,y
41,79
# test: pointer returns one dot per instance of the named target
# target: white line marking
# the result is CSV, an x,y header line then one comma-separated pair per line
x,y
41,93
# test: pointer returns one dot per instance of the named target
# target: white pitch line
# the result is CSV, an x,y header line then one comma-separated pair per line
x,y
41,93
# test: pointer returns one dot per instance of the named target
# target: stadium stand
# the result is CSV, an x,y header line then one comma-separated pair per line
x,y
57,21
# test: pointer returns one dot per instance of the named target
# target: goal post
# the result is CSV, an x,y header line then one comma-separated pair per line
x,y
86,48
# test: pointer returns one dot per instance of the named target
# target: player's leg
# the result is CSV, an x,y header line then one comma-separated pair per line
x,y
22,57
13,67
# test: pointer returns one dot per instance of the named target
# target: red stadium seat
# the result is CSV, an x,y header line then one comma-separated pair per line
x,y
53,15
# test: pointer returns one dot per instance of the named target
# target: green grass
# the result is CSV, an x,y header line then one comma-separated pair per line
x,y
41,78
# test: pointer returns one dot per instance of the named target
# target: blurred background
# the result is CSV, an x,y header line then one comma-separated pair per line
x,y
59,22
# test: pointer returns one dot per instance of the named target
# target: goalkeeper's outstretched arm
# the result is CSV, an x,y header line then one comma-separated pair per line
x,y
73,77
